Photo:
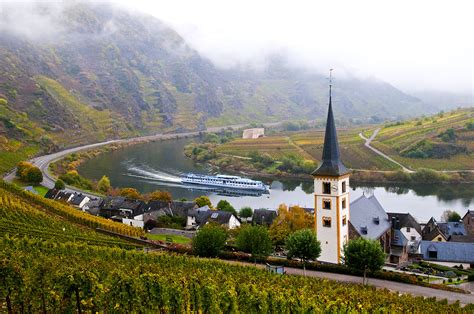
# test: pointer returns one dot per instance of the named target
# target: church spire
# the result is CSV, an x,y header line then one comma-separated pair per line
x,y
331,162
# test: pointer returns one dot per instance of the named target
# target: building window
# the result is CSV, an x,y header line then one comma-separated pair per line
x,y
343,186
408,229
413,238
439,239
326,203
343,203
326,188
344,220
327,222
432,254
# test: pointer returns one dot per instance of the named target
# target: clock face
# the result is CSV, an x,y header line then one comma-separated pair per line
x,y
334,187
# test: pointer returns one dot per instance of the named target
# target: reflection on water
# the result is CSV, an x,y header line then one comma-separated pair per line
x,y
159,165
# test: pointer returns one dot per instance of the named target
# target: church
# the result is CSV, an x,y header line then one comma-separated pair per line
x,y
331,196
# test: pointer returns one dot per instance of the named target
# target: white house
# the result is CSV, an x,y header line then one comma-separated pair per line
x,y
253,133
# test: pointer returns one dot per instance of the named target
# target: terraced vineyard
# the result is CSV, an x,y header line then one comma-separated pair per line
x,y
402,140
309,144
23,213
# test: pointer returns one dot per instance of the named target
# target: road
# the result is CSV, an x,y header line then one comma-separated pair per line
x,y
43,162
375,150
381,284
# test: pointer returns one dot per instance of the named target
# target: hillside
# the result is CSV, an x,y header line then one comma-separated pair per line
x,y
442,142
52,261
418,143
91,72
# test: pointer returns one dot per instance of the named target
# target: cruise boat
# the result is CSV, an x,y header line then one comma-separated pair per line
x,y
224,181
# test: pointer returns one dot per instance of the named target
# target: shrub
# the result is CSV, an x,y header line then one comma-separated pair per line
x,y
209,240
59,184
470,277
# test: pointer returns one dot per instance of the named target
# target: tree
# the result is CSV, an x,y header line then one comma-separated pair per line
x,y
33,175
202,201
209,240
161,196
21,168
304,245
450,215
254,240
59,184
104,184
364,254
130,193
288,221
225,206
245,212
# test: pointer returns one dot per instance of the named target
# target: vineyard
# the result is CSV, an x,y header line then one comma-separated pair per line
x,y
16,202
36,277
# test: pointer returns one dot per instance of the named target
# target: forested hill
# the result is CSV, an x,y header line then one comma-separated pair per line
x,y
89,72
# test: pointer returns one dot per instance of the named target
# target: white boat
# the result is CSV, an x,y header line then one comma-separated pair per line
x,y
224,181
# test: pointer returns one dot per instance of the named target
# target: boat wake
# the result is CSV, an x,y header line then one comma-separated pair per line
x,y
153,174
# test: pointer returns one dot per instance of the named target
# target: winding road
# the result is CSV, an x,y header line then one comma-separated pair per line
x,y
375,150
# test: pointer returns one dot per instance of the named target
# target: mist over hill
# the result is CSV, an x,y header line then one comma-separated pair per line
x,y
83,72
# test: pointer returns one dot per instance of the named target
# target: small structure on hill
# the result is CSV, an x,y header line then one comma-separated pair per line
x,y
253,133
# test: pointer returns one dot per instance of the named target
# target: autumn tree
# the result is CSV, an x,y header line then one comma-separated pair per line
x,y
161,196
288,221
202,201
130,193
104,184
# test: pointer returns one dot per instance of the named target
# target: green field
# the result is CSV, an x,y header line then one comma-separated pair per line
x,y
164,237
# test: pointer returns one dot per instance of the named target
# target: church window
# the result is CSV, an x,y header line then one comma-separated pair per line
x,y
326,187
326,203
343,186
343,203
344,220
327,222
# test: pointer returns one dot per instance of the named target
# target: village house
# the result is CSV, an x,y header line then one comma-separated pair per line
x,y
432,232
79,200
263,216
93,206
409,228
468,221
195,215
454,252
369,220
199,219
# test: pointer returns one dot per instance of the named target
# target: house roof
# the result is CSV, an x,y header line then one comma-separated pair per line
x,y
468,213
51,194
406,221
433,234
263,216
113,202
452,228
459,252
461,238
399,239
62,196
174,208
331,160
368,217
218,216
77,198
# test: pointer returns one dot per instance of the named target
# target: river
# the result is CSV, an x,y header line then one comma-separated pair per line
x,y
158,165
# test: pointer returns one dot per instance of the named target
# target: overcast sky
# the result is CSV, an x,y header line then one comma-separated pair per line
x,y
415,45
411,44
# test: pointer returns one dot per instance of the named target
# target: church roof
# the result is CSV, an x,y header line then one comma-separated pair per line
x,y
331,163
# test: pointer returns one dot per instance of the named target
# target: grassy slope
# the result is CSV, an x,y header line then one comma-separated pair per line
x,y
395,138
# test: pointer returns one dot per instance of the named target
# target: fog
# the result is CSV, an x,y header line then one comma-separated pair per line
x,y
414,45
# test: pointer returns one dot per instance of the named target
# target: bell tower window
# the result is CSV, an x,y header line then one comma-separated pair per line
x,y
327,222
326,188
343,186
326,203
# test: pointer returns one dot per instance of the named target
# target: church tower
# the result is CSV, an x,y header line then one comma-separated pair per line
x,y
331,195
